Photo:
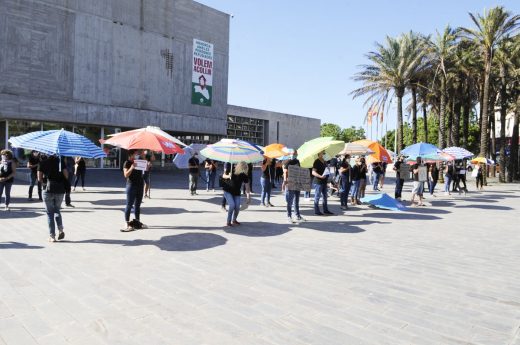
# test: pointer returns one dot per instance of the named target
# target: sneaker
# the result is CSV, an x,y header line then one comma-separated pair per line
x,y
74,189
52,239
301,219
228,225
270,205
30,199
128,227
70,205
61,235
328,212
290,220
344,207
6,208
236,223
318,213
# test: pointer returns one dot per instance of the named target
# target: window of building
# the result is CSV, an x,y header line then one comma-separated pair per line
x,y
248,129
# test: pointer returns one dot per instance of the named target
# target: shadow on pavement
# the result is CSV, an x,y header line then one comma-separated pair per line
x,y
486,207
399,215
14,213
17,245
182,242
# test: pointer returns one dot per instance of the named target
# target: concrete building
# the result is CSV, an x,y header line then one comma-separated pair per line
x,y
100,67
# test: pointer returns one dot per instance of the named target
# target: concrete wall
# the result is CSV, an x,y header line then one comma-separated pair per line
x,y
99,62
293,130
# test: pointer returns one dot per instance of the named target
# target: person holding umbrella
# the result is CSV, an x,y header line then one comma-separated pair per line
x,y
320,187
134,192
232,186
55,172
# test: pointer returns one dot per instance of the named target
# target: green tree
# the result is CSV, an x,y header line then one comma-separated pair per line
x,y
490,29
352,133
330,130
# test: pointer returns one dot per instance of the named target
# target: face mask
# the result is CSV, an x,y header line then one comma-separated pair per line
x,y
4,157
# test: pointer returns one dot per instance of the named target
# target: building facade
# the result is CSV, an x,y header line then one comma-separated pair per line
x,y
100,67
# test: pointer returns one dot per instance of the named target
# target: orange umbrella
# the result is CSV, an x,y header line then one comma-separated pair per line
x,y
143,139
380,153
274,150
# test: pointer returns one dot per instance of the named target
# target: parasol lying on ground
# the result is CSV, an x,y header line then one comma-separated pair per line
x,y
384,201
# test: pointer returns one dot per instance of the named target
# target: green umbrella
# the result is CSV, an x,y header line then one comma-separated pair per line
x,y
308,152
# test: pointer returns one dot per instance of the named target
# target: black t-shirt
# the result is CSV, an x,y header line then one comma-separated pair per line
x,y
34,161
51,172
415,174
397,168
6,169
269,171
355,172
435,172
136,176
376,167
236,183
319,166
345,165
194,161
81,165
293,161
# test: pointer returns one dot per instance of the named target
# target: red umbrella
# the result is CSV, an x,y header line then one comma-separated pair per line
x,y
143,139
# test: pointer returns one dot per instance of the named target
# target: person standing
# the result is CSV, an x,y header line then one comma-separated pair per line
x,y
449,172
363,171
462,177
71,167
80,169
383,174
320,186
54,171
32,164
417,185
292,196
232,190
433,177
377,170
480,176
355,177
266,181
147,178
134,192
344,171
193,168
210,166
399,180
7,174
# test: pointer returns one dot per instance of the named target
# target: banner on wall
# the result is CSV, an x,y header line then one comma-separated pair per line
x,y
202,73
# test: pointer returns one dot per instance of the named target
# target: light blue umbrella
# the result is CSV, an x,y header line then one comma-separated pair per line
x,y
458,152
181,160
420,150
58,142
384,201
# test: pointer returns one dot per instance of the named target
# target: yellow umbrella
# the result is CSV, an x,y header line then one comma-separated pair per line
x,y
274,150
308,152
479,160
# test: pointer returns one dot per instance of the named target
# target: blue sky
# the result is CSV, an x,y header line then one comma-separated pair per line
x,y
299,56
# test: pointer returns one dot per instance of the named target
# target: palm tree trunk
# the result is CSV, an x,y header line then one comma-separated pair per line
x,y
492,129
456,122
465,117
414,115
449,138
425,122
513,163
485,107
503,113
399,120
442,110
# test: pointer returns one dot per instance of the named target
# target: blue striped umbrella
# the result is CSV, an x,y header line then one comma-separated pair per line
x,y
58,142
458,152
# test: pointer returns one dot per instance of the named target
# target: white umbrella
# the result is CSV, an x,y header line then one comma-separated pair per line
x,y
181,160
355,149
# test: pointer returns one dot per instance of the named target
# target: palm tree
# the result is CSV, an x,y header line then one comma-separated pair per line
x,y
442,50
392,67
491,28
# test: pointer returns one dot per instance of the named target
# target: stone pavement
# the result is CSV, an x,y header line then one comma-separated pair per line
x,y
443,274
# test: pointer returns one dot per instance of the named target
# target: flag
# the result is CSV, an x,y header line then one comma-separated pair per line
x,y
372,111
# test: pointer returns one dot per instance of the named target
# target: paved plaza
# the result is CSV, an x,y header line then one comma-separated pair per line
x,y
443,274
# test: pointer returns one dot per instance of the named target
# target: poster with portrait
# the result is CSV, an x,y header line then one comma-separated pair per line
x,y
404,171
202,73
298,178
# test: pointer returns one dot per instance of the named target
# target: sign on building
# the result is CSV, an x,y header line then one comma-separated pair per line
x,y
298,178
202,73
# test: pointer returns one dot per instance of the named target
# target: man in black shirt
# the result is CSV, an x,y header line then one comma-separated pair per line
x,y
193,167
345,173
320,187
34,160
292,196
399,180
56,174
